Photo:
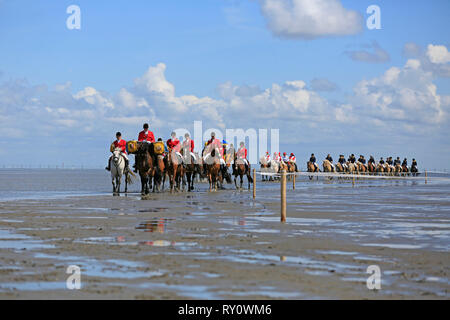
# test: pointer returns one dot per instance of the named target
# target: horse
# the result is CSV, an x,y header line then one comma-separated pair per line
x,y
192,167
175,170
291,169
327,167
339,168
241,170
405,169
117,165
351,167
265,166
312,168
397,169
145,166
414,171
213,170
380,168
361,167
371,167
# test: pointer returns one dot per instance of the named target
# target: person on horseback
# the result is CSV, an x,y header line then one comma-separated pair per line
x,y
381,161
285,158
267,156
414,165
405,163
214,143
174,144
122,144
241,155
293,161
362,160
352,158
145,136
342,162
330,159
313,160
371,160
188,146
397,161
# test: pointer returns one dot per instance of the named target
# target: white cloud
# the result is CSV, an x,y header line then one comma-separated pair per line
x,y
379,55
307,19
438,54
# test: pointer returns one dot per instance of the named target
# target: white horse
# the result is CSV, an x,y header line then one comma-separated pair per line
x,y
274,168
117,165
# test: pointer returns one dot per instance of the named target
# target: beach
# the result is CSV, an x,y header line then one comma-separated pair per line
x,y
224,244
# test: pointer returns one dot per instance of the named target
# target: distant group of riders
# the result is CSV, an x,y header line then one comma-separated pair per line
x,y
156,160
361,165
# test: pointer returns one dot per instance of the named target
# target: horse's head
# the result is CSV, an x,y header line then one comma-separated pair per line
x,y
116,155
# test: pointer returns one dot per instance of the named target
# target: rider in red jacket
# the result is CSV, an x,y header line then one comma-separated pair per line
x,y
146,135
122,144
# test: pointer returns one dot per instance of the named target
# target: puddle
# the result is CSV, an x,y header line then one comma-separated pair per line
x,y
10,240
393,246
158,225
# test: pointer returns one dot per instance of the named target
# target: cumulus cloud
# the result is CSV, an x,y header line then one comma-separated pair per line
x,y
405,94
438,54
378,54
306,19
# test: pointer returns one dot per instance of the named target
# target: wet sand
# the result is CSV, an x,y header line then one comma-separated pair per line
x,y
224,245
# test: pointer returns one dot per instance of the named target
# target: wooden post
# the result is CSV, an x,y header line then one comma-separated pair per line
x,y
254,183
293,181
425,176
283,196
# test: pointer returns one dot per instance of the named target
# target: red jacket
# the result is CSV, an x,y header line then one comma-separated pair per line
x,y
174,144
122,144
146,136
242,153
216,144
186,144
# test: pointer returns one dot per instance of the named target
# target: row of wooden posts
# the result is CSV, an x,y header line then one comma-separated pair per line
x,y
283,190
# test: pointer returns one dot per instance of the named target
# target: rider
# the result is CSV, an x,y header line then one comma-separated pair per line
x,y
414,163
405,163
285,158
313,161
145,136
267,156
241,154
330,159
188,145
381,161
122,144
390,162
215,143
174,144
397,161
342,162
371,160
352,158
293,160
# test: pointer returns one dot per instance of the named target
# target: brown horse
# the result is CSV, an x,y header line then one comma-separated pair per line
x,y
398,169
380,168
312,168
175,170
327,167
241,170
361,167
339,168
193,166
213,171
145,165
352,168
405,169
161,170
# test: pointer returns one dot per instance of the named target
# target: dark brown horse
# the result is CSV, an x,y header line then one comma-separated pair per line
x,y
145,165
193,165
241,170
175,170
371,167
213,171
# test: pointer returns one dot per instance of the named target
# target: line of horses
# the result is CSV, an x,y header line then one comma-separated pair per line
x,y
359,168
180,168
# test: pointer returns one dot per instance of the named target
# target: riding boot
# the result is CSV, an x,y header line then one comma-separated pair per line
x,y
108,168
296,169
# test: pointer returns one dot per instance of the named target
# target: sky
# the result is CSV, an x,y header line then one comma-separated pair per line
x,y
312,69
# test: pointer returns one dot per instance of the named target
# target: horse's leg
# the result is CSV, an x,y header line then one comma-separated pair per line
x,y
235,183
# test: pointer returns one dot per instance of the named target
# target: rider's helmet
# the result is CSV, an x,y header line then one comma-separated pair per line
x,y
145,126
118,134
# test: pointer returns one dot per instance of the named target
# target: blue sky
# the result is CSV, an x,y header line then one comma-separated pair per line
x,y
205,44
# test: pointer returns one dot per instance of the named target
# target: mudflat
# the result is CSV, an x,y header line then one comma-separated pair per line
x,y
225,245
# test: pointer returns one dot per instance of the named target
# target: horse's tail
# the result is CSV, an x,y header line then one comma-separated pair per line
x,y
129,178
